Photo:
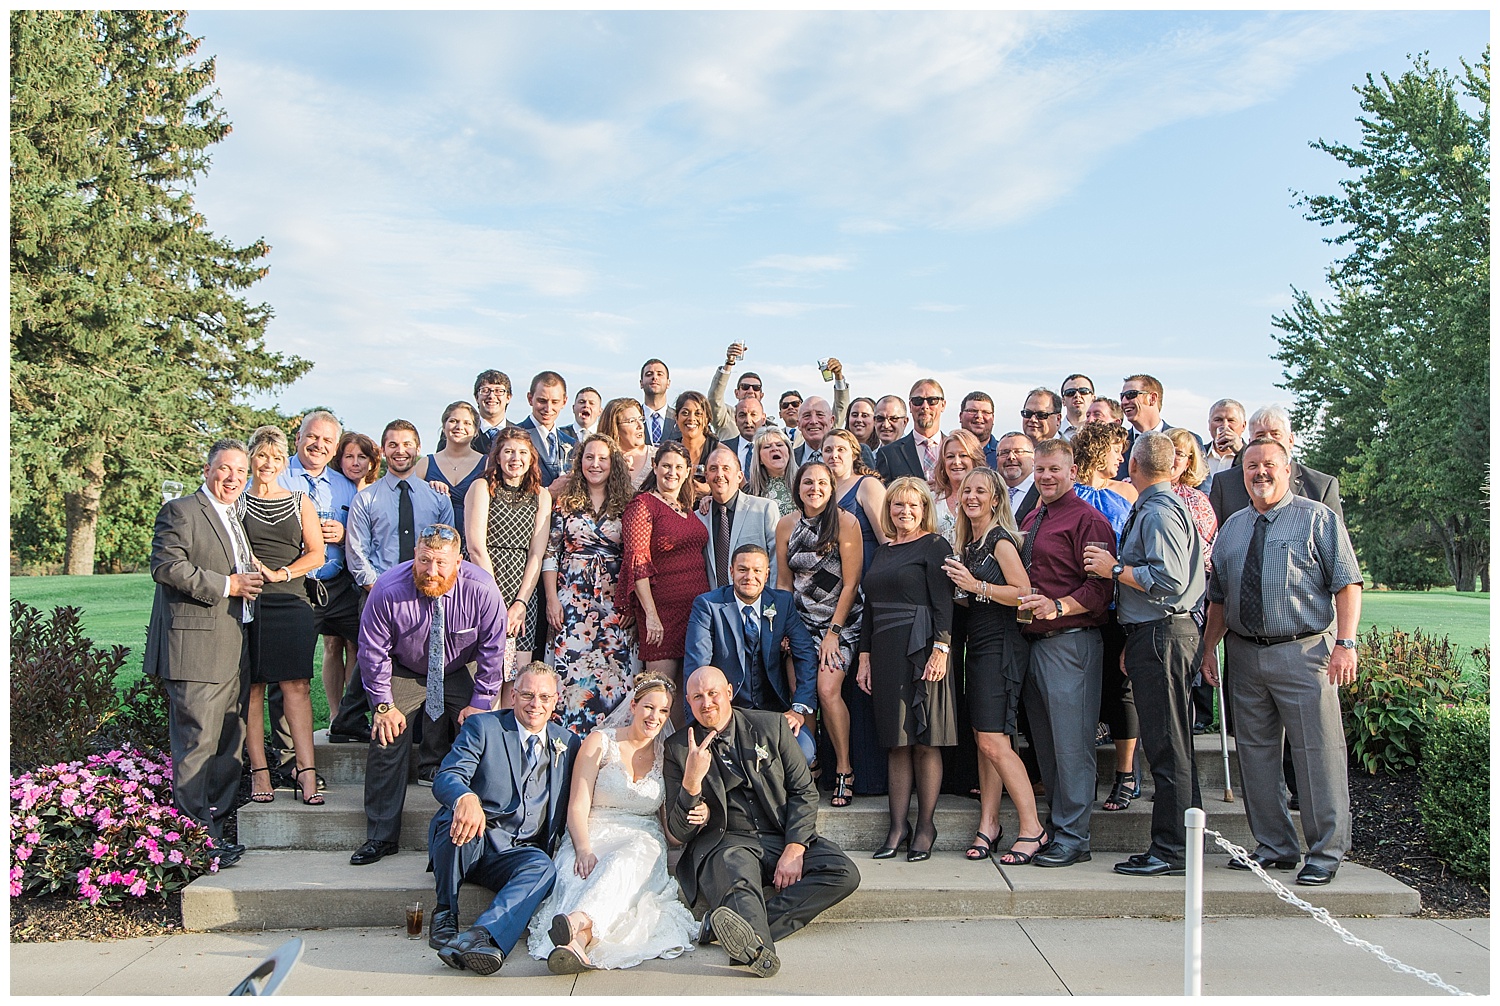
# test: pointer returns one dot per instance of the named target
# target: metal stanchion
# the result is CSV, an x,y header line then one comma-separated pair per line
x,y
1192,966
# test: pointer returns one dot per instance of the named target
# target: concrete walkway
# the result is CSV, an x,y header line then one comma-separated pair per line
x,y
1242,956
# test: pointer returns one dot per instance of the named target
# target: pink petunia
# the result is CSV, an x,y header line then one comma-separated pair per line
x,y
23,852
100,850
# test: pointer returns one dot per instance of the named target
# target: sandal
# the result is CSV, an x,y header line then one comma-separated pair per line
x,y
843,789
976,852
316,800
261,797
1127,787
1014,858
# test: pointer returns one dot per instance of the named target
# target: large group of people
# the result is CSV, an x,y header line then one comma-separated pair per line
x,y
675,621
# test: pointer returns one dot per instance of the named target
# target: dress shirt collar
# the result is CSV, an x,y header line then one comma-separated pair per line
x,y
1019,492
741,604
733,501
523,733
936,441
1275,511
224,510
388,482
543,428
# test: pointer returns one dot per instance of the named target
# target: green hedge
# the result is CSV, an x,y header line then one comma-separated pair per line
x,y
1456,788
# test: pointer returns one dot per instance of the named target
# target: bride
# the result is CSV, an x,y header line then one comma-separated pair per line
x,y
614,904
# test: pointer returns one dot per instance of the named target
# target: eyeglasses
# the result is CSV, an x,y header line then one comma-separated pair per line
x,y
442,531
791,403
1077,392
919,400
1132,394
749,387
545,698
1019,452
494,391
1034,414
976,412
632,421
889,420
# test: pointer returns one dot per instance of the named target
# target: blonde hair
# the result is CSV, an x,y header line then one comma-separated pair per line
x,y
1003,516
757,477
267,436
1197,468
972,451
908,485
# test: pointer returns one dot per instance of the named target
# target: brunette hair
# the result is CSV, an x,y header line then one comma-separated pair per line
x,y
858,467
573,495
685,494
827,522
648,680
1091,446
874,440
367,447
609,419
531,482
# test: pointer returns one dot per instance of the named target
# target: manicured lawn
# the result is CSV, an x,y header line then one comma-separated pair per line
x,y
1463,618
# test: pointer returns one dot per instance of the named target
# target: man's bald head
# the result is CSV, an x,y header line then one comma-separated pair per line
x,y
709,695
814,420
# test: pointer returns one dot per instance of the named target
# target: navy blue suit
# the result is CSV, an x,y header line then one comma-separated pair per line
x,y
551,472
487,760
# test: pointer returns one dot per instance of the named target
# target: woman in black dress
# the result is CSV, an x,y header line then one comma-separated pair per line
x,y
903,660
287,540
455,468
991,573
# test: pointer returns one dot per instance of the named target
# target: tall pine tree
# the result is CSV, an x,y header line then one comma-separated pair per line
x,y
131,345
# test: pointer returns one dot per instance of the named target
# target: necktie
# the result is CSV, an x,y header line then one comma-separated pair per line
x,y
406,523
1252,602
929,459
1030,542
244,561
745,450
751,619
721,542
533,744
656,427
552,448
435,662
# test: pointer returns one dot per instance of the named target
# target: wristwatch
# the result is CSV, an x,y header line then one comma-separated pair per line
x,y
1348,644
1119,568
798,707
1058,602
383,708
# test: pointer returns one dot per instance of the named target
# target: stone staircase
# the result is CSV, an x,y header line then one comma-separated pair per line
x,y
297,874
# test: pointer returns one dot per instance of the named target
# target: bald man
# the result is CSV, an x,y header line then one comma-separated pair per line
x,y
761,827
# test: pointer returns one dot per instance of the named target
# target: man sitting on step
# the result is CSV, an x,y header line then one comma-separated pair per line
x,y
504,789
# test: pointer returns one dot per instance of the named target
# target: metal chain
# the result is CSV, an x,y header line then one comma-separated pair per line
x,y
1321,914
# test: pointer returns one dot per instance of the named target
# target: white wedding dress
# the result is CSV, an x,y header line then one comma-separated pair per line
x,y
634,903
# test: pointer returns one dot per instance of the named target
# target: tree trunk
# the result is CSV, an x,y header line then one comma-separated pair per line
x,y
82,509
1466,552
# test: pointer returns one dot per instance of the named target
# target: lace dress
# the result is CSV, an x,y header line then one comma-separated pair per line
x,y
635,905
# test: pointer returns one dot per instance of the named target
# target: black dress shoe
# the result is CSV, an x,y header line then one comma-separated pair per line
x,y
478,952
742,943
373,851
1265,863
444,928
229,854
1315,876
1146,865
1060,855
706,930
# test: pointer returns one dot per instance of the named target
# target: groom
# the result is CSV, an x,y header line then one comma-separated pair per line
x,y
762,812
504,790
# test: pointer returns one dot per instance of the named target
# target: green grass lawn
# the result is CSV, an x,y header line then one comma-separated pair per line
x,y
1463,618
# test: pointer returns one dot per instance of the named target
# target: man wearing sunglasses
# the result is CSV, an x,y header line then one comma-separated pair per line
x,y
1041,414
1077,396
425,621
749,385
1141,400
917,453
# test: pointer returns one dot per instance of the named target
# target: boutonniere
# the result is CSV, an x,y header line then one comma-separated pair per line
x,y
559,747
769,612
762,754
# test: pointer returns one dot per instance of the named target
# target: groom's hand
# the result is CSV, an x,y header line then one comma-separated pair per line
x,y
695,766
789,866
468,819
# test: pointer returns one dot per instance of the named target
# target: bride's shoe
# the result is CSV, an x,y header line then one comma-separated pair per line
x,y
567,957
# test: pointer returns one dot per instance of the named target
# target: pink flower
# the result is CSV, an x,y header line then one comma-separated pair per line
x,y
16,872
100,850
33,822
23,852
69,797
156,857
172,836
138,888
175,856
15,888
32,838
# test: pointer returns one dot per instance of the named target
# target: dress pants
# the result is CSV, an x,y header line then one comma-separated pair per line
x,y
1062,704
736,874
387,766
437,736
521,877
206,724
1278,691
1159,657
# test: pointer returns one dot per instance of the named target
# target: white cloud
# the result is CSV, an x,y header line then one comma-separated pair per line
x,y
803,263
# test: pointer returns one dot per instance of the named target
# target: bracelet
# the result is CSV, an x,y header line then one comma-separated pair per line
x,y
940,647
288,573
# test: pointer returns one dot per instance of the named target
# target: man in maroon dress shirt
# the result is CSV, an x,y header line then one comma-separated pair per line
x,y
1062,688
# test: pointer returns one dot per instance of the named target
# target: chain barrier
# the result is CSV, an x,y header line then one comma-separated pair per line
x,y
1321,914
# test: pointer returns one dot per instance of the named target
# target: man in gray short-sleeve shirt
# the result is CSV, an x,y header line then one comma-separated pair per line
x,y
1286,588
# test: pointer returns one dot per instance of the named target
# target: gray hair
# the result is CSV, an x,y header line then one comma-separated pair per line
x,y
1154,453
537,669
319,416
226,444
1223,402
1271,415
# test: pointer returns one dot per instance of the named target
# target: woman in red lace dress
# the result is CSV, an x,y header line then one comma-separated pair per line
x,y
663,569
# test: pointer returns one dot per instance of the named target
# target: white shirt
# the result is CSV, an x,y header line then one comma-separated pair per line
x,y
226,515
1217,462
647,413
540,735
1066,429
1018,493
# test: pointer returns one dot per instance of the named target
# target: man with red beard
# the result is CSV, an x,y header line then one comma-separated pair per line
x,y
425,621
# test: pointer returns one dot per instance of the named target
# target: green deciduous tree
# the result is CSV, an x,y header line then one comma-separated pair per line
x,y
131,346
1392,374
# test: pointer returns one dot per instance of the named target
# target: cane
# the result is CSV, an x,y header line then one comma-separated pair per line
x,y
1224,739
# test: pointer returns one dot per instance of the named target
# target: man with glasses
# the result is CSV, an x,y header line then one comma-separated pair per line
x,y
917,453
788,405
1014,457
1041,414
1141,401
748,386
890,419
425,621
492,397
977,415
1077,396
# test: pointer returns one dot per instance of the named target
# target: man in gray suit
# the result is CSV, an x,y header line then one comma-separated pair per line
x,y
733,518
195,642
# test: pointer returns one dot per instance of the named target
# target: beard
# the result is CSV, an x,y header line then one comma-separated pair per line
x,y
434,586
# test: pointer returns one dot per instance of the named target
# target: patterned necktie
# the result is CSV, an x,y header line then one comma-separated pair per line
x,y
721,542
656,427
552,448
750,618
929,459
435,662
406,523
244,561
1252,601
1030,542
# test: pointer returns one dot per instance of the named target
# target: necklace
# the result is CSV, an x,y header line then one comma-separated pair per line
x,y
274,511
674,506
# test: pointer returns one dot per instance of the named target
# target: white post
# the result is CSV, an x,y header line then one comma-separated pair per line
x,y
1192,967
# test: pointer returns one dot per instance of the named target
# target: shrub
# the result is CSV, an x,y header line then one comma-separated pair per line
x,y
1403,678
142,720
104,830
61,686
1456,788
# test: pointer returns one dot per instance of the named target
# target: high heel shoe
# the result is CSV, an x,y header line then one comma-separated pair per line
x,y
316,800
889,852
261,797
915,855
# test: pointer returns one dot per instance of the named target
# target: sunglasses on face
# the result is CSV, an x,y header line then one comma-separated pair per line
x,y
749,387
1132,394
1033,414
1077,392
790,405
918,400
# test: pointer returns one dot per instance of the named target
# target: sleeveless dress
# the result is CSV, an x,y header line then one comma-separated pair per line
x,y
282,634
508,538
850,503
817,581
456,490
635,905
666,548
594,653
995,653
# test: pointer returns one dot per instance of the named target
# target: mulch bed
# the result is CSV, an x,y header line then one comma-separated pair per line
x,y
1389,837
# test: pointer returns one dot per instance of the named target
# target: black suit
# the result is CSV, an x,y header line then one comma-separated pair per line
x,y
1028,504
730,867
1123,473
1228,494
899,458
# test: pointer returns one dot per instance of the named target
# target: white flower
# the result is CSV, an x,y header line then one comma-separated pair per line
x,y
769,612
559,746
762,754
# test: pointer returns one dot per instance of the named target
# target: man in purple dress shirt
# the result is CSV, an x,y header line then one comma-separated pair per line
x,y
424,622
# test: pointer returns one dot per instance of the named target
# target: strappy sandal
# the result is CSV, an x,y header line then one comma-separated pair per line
x,y
261,797
978,853
843,789
316,800
1127,787
1013,858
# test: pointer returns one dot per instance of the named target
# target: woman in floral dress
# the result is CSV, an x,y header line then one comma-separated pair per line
x,y
593,646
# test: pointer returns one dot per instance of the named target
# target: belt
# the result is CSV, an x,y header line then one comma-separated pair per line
x,y
1061,632
1137,626
1277,640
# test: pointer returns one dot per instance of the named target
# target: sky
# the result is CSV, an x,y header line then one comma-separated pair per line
x,y
996,199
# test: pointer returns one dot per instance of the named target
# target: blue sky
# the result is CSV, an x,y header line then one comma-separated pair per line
x,y
995,199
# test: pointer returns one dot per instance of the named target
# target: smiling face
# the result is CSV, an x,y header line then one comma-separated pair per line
x,y
354,463
401,451
651,710
533,699
860,421
788,407
1142,408
671,470
749,574
1268,475
956,461
723,473
316,445
978,417
492,400
890,420
268,462
1043,421
1014,456
459,428
814,488
815,419
515,459
907,510
1054,475
709,695
977,497
225,475
594,463
546,401
692,418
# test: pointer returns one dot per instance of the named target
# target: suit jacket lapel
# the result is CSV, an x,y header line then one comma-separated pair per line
x,y
735,626
555,765
218,526
512,735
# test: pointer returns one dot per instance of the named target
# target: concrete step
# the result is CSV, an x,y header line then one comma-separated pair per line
x,y
299,889
340,822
